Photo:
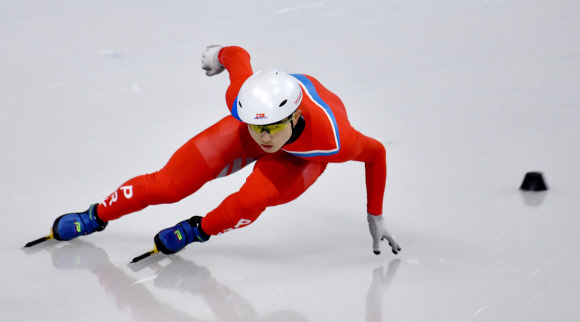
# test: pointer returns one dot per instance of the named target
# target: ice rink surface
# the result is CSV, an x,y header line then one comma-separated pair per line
x,y
467,96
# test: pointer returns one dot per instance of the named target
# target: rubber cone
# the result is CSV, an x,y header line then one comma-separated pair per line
x,y
534,181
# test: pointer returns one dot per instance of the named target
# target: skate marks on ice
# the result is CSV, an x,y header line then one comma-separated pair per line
x,y
285,10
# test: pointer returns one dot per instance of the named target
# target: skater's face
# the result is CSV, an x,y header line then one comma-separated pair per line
x,y
273,142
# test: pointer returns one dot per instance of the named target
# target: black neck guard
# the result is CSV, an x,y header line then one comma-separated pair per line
x,y
296,130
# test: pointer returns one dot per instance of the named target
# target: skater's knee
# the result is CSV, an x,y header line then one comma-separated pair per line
x,y
256,198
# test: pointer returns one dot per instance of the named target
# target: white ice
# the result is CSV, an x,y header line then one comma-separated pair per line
x,y
466,95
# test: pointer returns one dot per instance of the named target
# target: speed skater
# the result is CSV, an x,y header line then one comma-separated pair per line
x,y
289,125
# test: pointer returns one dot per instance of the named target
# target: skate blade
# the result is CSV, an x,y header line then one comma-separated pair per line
x,y
40,240
149,253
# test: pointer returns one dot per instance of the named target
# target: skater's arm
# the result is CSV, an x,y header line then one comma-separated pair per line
x,y
374,156
237,61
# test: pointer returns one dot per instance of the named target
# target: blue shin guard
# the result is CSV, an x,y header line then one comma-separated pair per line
x,y
69,226
171,240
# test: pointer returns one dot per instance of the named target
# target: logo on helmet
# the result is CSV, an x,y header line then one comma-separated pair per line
x,y
298,99
260,116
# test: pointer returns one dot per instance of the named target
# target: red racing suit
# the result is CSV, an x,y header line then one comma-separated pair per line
x,y
277,178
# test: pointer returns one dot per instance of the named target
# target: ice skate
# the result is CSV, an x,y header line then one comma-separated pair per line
x,y
69,226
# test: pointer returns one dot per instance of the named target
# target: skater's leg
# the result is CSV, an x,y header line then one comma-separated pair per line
x,y
215,152
277,179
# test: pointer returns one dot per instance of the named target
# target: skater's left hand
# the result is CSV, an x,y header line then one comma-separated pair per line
x,y
210,62
379,232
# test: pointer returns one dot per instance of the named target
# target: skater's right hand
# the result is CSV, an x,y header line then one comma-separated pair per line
x,y
210,62
379,232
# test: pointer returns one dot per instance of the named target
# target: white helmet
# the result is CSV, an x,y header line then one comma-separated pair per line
x,y
267,97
